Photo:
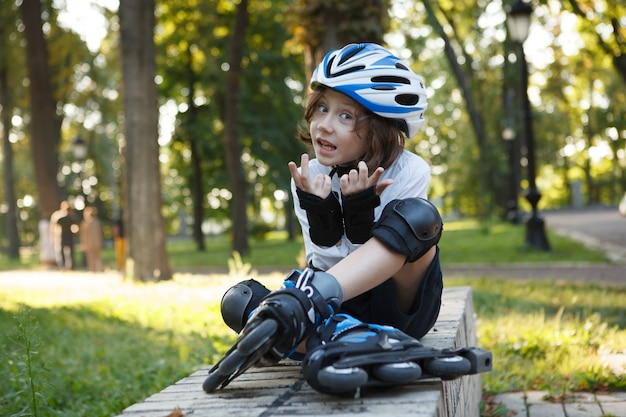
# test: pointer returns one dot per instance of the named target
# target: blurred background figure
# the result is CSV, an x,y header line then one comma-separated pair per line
x,y
91,239
119,241
46,246
63,227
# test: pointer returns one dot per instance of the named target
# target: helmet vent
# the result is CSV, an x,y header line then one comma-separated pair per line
x,y
407,99
346,71
342,72
351,53
401,66
390,79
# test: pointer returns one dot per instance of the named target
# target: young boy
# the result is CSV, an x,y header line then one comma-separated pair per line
x,y
370,234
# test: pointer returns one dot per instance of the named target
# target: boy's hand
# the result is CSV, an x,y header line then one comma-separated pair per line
x,y
319,186
358,180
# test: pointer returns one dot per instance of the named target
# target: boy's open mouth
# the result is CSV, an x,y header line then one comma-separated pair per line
x,y
326,145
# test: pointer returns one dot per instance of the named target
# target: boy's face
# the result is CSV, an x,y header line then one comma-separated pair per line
x,y
332,129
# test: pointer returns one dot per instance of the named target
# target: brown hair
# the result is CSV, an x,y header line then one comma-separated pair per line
x,y
384,136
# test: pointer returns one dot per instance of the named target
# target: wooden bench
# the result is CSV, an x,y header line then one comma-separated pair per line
x,y
281,390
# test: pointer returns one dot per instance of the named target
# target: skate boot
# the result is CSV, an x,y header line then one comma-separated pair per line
x,y
277,326
346,356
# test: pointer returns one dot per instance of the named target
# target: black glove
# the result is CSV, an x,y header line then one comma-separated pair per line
x,y
358,214
324,214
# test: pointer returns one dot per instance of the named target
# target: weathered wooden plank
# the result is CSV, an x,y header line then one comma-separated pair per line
x,y
281,390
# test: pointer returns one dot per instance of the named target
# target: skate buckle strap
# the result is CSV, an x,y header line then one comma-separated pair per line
x,y
304,300
303,282
337,325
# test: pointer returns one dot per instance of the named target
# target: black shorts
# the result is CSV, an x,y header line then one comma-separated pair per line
x,y
380,304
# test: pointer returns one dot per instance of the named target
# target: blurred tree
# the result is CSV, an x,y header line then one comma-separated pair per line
x,y
67,84
188,54
580,111
193,63
97,106
478,50
143,201
457,36
231,138
601,96
606,22
320,26
44,124
7,19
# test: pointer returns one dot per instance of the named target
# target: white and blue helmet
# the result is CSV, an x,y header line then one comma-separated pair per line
x,y
376,79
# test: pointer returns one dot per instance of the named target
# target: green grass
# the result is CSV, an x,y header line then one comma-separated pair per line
x,y
104,347
96,345
549,335
467,242
463,241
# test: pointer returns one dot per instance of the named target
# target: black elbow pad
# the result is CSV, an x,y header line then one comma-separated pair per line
x,y
410,227
324,215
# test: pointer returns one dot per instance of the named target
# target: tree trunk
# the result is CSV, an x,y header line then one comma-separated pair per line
x,y
464,79
231,142
196,181
44,129
197,188
7,172
356,22
147,255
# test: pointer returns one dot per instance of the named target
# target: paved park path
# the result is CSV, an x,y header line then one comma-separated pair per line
x,y
601,229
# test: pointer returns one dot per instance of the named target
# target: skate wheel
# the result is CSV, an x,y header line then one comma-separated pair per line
x,y
400,373
213,381
231,363
342,379
257,337
451,367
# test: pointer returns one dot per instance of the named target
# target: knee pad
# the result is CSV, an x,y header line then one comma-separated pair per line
x,y
410,227
239,301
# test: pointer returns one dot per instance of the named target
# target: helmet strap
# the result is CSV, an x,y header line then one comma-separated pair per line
x,y
342,169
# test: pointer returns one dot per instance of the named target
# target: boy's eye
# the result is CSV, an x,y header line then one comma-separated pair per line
x,y
322,108
346,116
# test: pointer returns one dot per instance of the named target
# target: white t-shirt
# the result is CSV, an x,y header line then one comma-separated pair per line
x,y
411,177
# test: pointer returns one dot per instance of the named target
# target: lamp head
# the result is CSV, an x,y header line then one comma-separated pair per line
x,y
79,147
518,20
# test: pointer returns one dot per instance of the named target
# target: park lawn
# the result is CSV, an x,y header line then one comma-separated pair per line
x,y
463,242
96,346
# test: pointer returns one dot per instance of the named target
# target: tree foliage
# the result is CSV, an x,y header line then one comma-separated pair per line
x,y
473,37
576,91
192,67
319,26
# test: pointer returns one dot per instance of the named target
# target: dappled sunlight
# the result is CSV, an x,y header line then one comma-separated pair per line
x,y
549,335
550,353
98,332
48,289
187,303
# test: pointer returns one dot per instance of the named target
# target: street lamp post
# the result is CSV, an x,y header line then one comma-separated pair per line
x,y
518,23
512,144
